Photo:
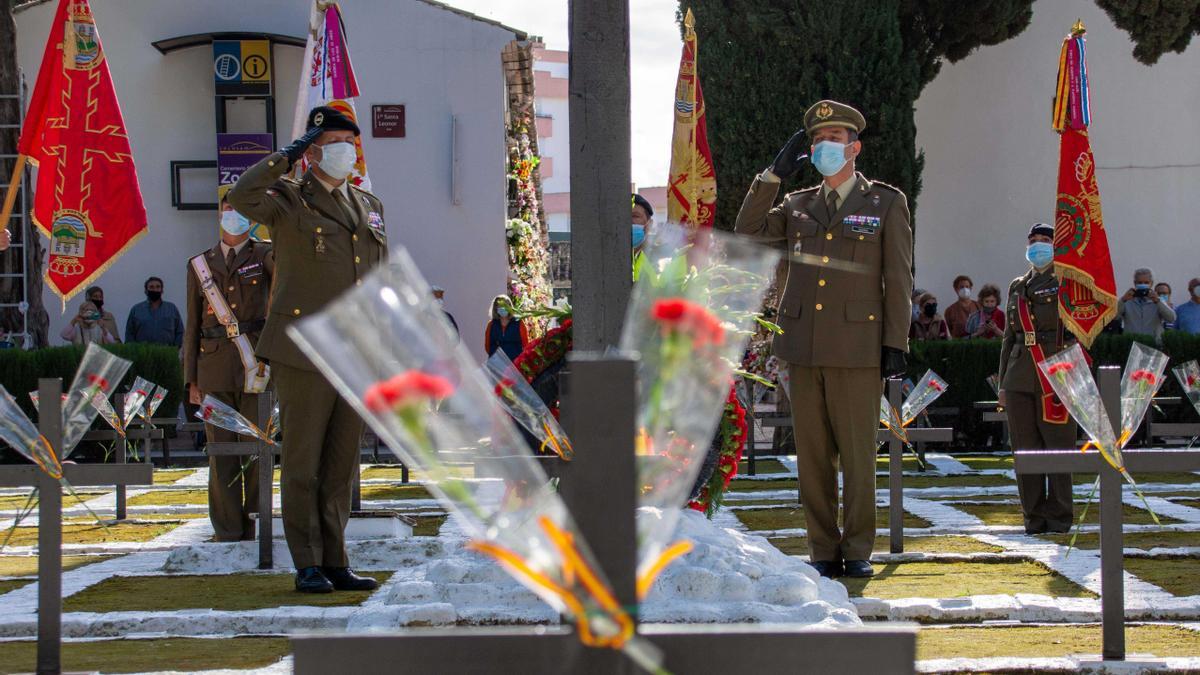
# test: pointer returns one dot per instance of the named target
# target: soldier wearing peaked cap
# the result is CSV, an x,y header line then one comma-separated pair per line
x,y
1037,420
227,289
328,234
845,313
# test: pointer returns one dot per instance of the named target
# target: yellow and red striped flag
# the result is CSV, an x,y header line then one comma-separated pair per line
x,y
692,186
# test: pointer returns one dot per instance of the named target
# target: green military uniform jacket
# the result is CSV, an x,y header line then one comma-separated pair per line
x,y
849,283
319,251
1040,290
213,363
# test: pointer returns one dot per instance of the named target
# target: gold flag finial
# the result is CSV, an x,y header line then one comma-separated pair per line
x,y
689,21
1077,28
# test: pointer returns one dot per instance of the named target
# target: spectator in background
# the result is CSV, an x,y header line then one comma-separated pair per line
x,y
963,307
929,325
503,331
988,322
92,323
916,308
88,326
643,219
439,296
1164,293
1141,310
154,320
1187,316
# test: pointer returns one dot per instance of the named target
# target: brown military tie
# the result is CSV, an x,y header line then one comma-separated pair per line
x,y
229,260
831,204
351,216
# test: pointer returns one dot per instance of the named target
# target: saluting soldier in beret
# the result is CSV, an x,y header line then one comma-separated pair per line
x,y
1037,420
845,313
328,234
227,297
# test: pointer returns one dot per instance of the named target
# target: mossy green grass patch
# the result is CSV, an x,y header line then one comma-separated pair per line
x,y
428,526
169,476
987,462
230,592
389,492
139,656
960,579
385,472
1177,576
27,565
1010,514
928,481
978,642
170,498
947,544
786,518
761,466
7,585
1145,478
16,502
95,533
1090,541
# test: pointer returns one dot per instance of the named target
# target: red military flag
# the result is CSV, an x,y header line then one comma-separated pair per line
x,y
1087,288
692,186
88,201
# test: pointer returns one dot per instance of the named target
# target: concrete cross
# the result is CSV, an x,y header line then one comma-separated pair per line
x,y
49,647
1112,560
143,432
264,453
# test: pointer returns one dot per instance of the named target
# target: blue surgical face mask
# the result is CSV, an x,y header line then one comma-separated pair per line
x,y
829,157
1142,287
639,235
234,223
1040,254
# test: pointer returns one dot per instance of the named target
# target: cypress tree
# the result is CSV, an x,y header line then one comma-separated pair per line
x,y
1155,26
763,62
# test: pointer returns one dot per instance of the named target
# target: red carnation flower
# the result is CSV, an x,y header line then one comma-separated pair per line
x,y
207,412
405,389
937,386
1143,374
1060,367
688,317
98,381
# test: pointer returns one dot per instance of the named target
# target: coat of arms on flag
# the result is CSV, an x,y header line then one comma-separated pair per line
x,y
87,198
692,187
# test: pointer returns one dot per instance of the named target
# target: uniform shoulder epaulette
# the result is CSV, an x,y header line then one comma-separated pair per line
x,y
361,189
882,184
290,180
804,190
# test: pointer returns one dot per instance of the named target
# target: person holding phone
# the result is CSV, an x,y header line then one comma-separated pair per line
x,y
1141,310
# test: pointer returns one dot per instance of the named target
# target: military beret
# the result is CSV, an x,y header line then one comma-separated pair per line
x,y
1042,229
833,114
641,201
330,119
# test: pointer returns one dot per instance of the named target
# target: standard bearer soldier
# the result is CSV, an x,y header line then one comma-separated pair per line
x,y
328,234
227,296
1036,418
845,312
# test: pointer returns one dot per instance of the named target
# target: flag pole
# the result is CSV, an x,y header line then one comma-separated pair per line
x,y
14,181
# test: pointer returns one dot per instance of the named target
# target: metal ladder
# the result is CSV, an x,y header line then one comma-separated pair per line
x,y
22,232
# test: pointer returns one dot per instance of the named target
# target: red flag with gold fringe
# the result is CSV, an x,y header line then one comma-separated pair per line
x,y
692,186
88,201
1087,288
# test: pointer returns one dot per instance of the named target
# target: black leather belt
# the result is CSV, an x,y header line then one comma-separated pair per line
x,y
216,332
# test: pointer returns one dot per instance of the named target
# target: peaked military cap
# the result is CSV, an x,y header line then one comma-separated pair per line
x,y
330,119
833,114
1042,229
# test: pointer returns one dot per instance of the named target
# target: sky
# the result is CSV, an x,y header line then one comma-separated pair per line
x,y
655,46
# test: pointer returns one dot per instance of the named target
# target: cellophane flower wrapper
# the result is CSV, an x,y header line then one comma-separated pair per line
x,y
889,418
273,421
1071,379
1144,374
152,404
36,399
223,416
922,396
371,344
1188,375
690,316
993,381
523,404
98,375
135,400
109,414
20,433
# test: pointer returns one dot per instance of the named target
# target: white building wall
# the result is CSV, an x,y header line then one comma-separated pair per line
x,y
556,146
991,160
438,63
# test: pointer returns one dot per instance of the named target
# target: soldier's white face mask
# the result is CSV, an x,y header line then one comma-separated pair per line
x,y
234,223
829,157
337,159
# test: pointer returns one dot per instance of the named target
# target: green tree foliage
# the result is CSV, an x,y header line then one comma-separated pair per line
x,y
1155,26
763,62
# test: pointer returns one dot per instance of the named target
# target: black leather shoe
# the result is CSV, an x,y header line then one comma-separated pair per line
x,y
858,569
1058,528
344,579
310,580
1035,526
828,568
